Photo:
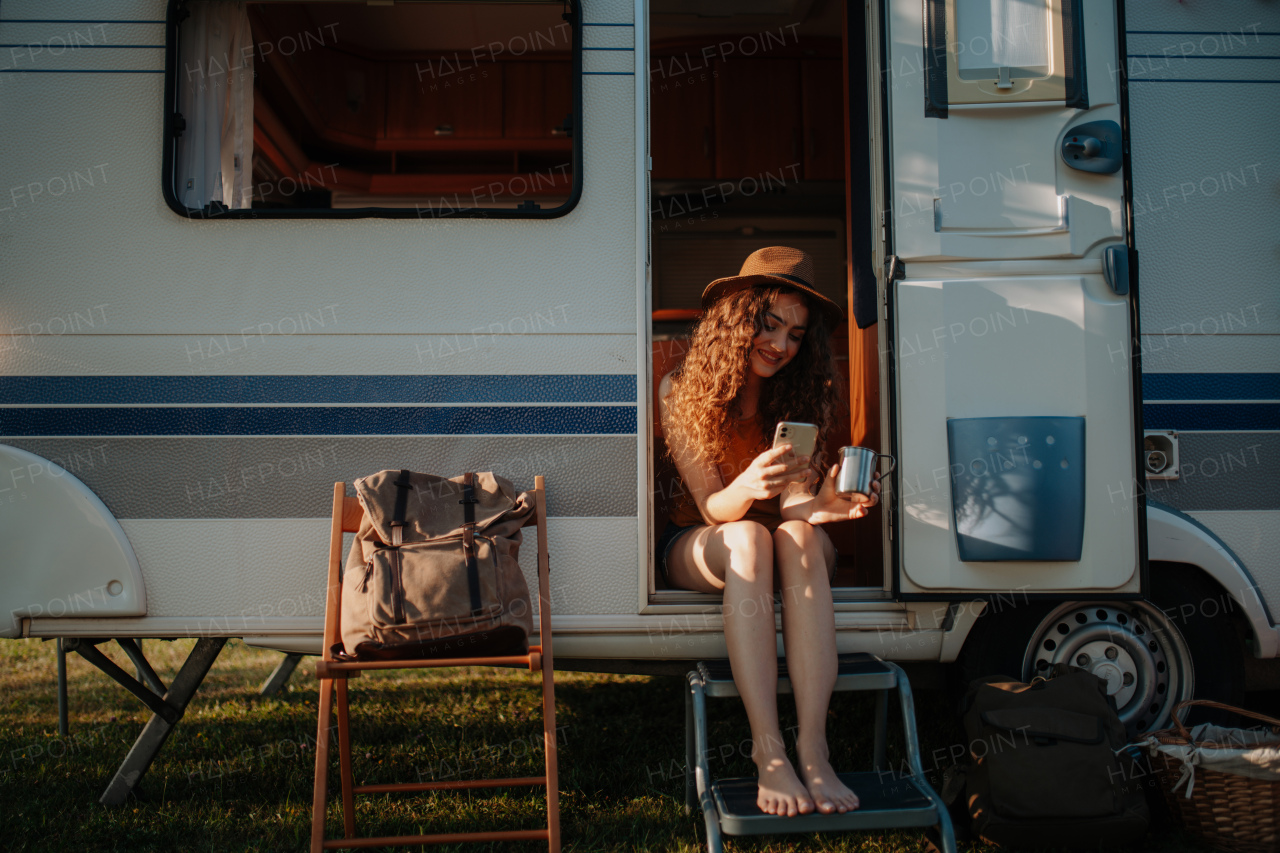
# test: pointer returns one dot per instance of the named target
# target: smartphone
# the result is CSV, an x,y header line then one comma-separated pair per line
x,y
801,436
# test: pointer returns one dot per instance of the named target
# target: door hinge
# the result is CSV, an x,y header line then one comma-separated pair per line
x,y
894,270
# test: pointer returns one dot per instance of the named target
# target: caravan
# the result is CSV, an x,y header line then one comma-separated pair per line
x,y
251,249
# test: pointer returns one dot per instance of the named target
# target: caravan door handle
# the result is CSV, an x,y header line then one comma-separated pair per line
x,y
1086,145
1093,147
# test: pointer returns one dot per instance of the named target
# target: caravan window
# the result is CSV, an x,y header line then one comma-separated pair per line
x,y
998,51
346,109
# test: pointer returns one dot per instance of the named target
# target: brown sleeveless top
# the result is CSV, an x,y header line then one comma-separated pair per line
x,y
746,442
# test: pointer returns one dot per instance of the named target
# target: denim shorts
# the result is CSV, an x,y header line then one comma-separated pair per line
x,y
670,534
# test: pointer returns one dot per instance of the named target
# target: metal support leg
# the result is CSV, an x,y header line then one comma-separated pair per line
x,y
154,701
690,755
62,690
157,729
907,703
882,730
147,675
710,816
279,676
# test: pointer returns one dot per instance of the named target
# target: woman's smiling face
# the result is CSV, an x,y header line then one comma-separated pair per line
x,y
780,335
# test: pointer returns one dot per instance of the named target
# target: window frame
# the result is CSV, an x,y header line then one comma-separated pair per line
x,y
175,14
944,87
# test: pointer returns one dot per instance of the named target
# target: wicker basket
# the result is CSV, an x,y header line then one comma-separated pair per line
x,y
1229,811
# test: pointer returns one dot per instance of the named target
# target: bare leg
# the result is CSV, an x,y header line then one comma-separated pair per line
x,y
738,558
802,554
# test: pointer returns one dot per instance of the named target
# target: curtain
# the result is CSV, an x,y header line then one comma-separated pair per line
x,y
215,97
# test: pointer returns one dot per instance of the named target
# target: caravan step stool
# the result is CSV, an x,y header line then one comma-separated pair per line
x,y
889,800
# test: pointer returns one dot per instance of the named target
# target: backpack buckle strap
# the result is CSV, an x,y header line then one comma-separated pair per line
x,y
399,513
469,540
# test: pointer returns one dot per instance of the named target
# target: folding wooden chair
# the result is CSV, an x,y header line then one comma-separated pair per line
x,y
333,674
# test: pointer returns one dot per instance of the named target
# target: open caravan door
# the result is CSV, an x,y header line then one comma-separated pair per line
x,y
1008,305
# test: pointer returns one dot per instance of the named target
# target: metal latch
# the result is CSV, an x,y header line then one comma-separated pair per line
x,y
1115,267
1093,147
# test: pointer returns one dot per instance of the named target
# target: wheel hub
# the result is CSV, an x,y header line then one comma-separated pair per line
x,y
1131,646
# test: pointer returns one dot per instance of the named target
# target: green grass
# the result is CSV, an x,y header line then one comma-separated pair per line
x,y
236,774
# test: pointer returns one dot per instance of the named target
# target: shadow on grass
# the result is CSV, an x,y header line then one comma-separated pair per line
x,y
237,772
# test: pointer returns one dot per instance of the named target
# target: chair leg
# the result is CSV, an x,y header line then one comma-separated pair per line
x,y
549,749
344,759
319,797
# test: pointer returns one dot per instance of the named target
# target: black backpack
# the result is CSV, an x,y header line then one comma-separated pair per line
x,y
1049,766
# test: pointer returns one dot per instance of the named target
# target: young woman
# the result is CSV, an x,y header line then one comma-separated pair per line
x,y
749,521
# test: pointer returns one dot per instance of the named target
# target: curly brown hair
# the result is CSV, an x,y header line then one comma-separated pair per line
x,y
714,371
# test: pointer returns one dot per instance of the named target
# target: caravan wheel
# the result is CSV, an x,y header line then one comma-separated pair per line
x,y
1152,656
1131,645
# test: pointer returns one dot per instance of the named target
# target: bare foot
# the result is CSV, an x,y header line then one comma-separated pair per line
x,y
830,795
780,791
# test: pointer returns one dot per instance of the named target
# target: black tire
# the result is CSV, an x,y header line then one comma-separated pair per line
x,y
1208,620
1183,643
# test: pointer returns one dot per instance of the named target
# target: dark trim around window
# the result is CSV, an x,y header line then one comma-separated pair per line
x,y
936,103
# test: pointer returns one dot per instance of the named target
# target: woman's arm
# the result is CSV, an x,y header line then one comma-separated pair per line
x,y
826,506
718,503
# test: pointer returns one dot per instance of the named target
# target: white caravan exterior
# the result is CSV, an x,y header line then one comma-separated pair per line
x,y
178,393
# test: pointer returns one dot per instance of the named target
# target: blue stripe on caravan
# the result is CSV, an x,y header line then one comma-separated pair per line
x,y
1211,386
1211,416
160,390
340,420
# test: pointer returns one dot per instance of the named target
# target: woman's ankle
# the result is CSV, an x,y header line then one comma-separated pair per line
x,y
812,749
767,749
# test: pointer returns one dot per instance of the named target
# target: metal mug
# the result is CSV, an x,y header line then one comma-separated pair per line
x,y
857,465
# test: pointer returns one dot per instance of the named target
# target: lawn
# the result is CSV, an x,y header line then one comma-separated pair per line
x,y
236,774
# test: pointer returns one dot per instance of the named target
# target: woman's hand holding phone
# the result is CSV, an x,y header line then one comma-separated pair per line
x,y
772,471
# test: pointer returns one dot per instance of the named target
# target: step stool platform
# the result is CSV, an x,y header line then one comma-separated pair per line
x,y
888,801
856,671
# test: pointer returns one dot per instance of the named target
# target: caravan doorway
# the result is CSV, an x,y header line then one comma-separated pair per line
x,y
750,134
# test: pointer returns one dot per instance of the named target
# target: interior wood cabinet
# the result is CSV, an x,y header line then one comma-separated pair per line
x,y
686,148
757,117
537,99
352,103
742,117
822,94
424,105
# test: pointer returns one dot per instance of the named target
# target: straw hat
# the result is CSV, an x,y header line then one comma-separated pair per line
x,y
775,265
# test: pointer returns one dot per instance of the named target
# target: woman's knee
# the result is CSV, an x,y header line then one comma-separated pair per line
x,y
746,536
748,551
794,537
798,534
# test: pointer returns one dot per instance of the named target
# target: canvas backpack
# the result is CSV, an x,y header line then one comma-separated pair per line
x,y
433,570
1049,765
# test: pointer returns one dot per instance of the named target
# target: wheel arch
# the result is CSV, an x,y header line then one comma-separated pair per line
x,y
64,554
1173,537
